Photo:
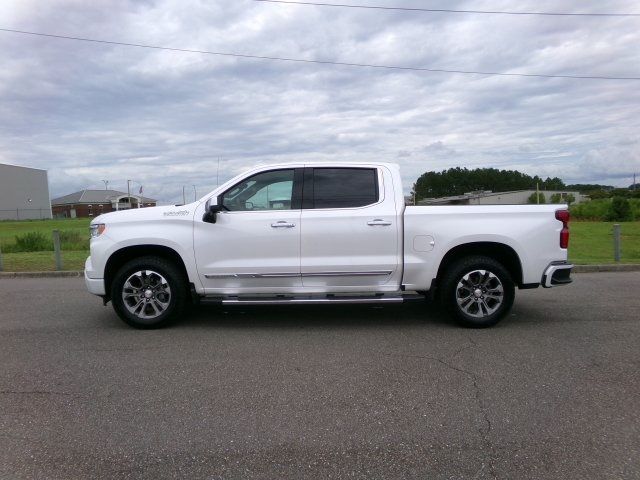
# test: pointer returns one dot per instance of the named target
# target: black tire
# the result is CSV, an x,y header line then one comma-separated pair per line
x,y
142,309
473,298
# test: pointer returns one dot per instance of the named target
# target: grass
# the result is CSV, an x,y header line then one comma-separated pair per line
x,y
9,229
43,261
591,243
74,251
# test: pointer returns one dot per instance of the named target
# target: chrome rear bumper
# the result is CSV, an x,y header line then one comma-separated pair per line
x,y
557,274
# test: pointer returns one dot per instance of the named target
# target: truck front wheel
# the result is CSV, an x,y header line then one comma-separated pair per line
x,y
478,291
148,292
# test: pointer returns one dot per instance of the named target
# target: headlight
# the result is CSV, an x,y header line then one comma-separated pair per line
x,y
96,229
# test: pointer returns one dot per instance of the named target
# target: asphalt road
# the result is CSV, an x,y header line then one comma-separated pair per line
x,y
553,392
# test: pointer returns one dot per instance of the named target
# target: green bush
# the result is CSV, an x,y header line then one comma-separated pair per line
x,y
592,210
31,242
70,240
541,198
602,209
73,240
598,194
619,210
620,192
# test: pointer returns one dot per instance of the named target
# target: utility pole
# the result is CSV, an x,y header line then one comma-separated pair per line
x,y
129,192
195,195
106,184
184,198
537,192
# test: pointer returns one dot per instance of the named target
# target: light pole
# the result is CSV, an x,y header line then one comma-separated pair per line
x,y
184,197
106,184
195,195
129,191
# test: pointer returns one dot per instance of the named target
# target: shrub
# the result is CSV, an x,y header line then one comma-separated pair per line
x,y
73,240
555,198
598,194
541,198
619,210
32,242
592,210
620,192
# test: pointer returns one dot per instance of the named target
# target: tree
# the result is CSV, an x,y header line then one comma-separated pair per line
x,y
619,192
555,198
570,198
553,184
596,194
620,210
541,198
588,187
457,181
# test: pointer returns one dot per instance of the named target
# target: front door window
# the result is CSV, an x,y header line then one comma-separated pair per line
x,y
264,191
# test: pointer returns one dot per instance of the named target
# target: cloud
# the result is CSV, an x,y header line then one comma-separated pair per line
x,y
88,112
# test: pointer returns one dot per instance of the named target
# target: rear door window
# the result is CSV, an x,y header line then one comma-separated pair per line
x,y
342,188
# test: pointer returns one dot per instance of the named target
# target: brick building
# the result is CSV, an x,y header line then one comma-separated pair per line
x,y
91,203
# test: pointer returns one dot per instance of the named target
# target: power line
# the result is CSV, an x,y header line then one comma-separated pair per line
x,y
321,62
446,10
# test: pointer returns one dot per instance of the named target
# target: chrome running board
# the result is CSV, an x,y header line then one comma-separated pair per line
x,y
312,300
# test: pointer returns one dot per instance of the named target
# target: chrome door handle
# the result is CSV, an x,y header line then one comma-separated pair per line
x,y
379,221
283,224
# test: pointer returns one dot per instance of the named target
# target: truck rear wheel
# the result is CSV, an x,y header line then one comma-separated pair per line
x,y
478,291
148,292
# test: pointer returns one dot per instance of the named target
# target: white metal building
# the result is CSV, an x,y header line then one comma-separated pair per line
x,y
501,198
24,193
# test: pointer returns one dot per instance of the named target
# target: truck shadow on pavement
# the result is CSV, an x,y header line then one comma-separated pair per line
x,y
329,316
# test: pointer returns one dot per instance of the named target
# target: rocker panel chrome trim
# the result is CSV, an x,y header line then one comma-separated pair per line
x,y
347,274
253,275
291,275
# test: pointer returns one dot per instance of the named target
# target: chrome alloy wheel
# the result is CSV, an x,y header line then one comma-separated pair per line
x,y
479,293
146,294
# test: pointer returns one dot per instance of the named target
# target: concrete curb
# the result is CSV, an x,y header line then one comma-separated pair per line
x,y
66,273
622,267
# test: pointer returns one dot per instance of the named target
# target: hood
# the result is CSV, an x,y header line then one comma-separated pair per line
x,y
147,213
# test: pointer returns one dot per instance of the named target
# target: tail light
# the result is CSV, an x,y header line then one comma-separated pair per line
x,y
563,216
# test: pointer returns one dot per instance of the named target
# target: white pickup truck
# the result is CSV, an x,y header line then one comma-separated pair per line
x,y
320,233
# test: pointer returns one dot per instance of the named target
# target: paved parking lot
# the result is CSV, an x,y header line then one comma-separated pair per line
x,y
331,392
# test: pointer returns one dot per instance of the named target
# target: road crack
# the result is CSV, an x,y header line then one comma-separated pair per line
x,y
478,396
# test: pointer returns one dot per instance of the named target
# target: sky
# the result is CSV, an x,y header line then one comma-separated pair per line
x,y
89,112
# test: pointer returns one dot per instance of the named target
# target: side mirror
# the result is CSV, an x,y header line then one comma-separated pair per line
x,y
211,212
